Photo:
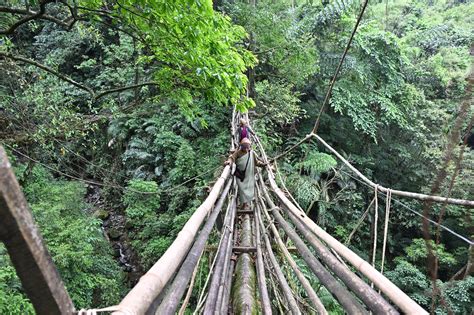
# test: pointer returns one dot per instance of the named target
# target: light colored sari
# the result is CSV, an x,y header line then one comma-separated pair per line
x,y
247,186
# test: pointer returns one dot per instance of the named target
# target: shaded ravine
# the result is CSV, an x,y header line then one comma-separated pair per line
x,y
115,230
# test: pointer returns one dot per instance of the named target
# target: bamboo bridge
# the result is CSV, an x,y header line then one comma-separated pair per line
x,y
246,276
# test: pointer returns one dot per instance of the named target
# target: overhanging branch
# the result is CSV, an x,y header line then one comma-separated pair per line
x,y
123,88
50,70
30,15
94,95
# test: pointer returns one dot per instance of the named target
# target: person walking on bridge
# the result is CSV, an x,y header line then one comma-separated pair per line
x,y
245,160
244,130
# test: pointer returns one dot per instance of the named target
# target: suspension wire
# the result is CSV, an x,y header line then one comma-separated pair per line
x,y
465,239
103,170
64,146
333,81
101,184
339,66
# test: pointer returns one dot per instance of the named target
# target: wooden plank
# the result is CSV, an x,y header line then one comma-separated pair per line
x,y
26,248
244,249
243,212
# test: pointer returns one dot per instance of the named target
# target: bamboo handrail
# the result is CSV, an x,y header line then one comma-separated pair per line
x,y
313,297
266,304
224,248
170,303
339,291
461,202
369,296
293,306
397,296
151,284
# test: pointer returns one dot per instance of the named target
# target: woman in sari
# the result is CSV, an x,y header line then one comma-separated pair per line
x,y
245,160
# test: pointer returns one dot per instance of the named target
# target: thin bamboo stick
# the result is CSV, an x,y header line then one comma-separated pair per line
x,y
213,291
315,301
226,293
150,285
266,305
294,309
349,303
171,301
397,296
368,295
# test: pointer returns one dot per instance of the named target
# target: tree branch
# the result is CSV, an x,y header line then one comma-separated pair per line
x,y
93,94
26,19
50,70
123,88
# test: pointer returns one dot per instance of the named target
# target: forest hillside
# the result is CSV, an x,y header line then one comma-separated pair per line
x,y
116,117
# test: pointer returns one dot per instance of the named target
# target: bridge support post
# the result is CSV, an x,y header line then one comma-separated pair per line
x,y
26,248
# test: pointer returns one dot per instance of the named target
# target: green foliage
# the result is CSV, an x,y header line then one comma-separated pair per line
x,y
374,93
317,163
74,240
277,103
458,295
418,252
411,281
286,52
304,188
333,11
12,298
196,49
142,201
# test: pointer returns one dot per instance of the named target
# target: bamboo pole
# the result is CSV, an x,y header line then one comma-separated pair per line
x,y
368,295
226,244
397,296
170,303
348,302
224,276
244,286
266,305
138,300
293,306
226,293
28,253
313,297
461,202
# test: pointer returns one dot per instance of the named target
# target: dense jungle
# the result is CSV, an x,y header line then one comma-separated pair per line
x,y
116,117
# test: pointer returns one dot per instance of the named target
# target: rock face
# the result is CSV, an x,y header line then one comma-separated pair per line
x,y
101,214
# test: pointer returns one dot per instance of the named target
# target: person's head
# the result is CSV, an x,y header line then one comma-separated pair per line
x,y
243,122
245,144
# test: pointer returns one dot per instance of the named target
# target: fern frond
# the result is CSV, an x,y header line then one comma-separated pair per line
x,y
333,11
328,63
317,163
304,189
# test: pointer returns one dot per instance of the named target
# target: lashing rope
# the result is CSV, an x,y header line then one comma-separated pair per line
x,y
376,218
385,230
